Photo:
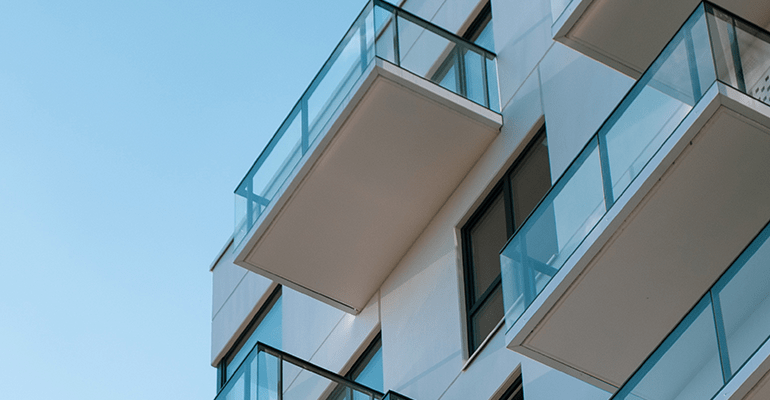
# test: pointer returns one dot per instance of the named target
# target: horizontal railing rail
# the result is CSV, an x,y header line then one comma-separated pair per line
x,y
711,46
268,373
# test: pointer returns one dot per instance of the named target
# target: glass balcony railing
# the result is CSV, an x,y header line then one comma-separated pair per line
x,y
718,336
712,45
380,31
270,374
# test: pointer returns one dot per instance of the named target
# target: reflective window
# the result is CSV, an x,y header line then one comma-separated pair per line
x,y
490,227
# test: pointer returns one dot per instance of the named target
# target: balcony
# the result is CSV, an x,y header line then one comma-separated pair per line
x,y
271,374
627,35
390,125
652,211
719,348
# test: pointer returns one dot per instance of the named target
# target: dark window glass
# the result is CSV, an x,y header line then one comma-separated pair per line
x,y
490,227
530,181
487,237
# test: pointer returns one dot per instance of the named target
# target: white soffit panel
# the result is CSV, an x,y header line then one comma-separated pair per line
x,y
387,170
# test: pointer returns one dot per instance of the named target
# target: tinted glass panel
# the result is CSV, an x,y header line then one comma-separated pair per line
x,y
745,304
487,237
530,181
487,317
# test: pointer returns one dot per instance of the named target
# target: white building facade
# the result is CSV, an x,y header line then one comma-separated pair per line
x,y
507,199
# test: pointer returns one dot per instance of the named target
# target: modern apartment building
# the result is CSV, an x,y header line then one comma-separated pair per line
x,y
515,199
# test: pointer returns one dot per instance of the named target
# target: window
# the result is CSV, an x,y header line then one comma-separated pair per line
x,y
367,371
515,392
489,228
265,328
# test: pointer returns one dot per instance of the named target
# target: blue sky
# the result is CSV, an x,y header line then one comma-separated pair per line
x,y
124,128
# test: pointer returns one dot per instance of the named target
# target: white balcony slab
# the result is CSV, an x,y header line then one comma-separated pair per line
x,y
393,153
628,35
676,229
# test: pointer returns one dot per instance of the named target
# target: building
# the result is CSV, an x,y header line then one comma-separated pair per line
x,y
540,199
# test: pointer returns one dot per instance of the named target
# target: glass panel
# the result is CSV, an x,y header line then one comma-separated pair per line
x,y
384,24
447,62
422,51
448,77
494,98
722,33
338,77
268,332
742,55
372,374
686,366
658,103
487,317
309,116
267,372
474,77
487,236
486,37
268,174
552,233
303,384
416,46
755,61
236,389
530,181
745,302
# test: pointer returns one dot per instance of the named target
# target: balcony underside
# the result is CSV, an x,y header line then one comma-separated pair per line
x,y
628,35
681,223
391,157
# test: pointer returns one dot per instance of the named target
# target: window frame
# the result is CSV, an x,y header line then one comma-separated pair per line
x,y
272,299
503,186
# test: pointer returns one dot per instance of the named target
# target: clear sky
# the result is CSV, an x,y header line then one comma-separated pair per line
x,y
125,126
